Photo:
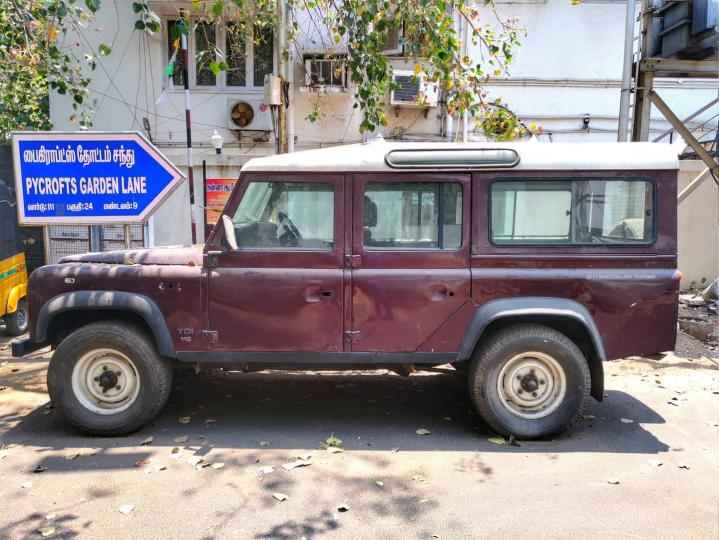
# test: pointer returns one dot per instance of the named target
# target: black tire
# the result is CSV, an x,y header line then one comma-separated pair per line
x,y
503,347
16,322
153,375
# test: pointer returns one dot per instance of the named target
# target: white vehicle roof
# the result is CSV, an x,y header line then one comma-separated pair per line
x,y
370,157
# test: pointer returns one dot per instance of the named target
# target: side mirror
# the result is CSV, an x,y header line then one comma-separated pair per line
x,y
229,232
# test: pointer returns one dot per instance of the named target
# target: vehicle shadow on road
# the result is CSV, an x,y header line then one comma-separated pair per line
x,y
373,411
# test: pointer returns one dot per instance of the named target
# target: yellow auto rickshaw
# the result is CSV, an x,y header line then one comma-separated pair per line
x,y
13,269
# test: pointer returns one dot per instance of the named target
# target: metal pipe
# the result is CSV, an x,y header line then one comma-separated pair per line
x,y
623,128
188,123
290,76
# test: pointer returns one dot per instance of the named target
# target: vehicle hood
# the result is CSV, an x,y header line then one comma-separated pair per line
x,y
183,255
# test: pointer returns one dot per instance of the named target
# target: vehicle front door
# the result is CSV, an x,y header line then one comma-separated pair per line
x,y
281,288
410,257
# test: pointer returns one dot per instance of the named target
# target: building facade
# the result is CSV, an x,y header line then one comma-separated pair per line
x,y
566,78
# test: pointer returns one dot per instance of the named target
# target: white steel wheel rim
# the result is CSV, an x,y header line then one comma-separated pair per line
x,y
105,381
531,385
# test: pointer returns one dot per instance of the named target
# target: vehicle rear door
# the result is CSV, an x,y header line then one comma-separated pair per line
x,y
282,288
409,257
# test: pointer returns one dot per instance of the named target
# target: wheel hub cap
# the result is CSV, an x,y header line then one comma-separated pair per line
x,y
105,381
531,385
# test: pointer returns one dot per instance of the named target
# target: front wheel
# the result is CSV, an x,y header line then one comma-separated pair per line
x,y
108,379
17,321
529,381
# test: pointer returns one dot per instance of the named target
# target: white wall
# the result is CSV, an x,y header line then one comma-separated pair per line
x,y
568,67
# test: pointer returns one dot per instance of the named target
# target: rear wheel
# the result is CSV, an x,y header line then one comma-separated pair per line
x,y
107,378
529,381
17,321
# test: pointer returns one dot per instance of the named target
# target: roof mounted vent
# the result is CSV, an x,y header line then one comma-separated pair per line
x,y
453,158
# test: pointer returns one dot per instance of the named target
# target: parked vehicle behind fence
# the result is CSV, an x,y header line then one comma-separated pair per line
x,y
524,266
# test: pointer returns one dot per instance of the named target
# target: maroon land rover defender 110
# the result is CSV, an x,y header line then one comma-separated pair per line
x,y
523,265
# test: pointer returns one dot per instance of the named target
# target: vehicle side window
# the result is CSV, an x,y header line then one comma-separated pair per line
x,y
412,215
286,215
581,212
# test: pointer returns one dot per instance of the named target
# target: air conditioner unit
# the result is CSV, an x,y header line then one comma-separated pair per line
x,y
413,91
249,113
326,71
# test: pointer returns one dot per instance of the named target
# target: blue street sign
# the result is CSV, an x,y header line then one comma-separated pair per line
x,y
89,177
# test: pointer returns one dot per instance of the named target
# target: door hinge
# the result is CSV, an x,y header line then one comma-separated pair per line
x,y
352,336
353,261
209,336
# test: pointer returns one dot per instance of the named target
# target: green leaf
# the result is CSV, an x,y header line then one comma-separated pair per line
x,y
217,8
423,431
137,7
78,99
215,68
170,69
139,25
333,441
104,49
153,26
92,5
224,66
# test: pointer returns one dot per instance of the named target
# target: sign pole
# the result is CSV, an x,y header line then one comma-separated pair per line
x,y
188,124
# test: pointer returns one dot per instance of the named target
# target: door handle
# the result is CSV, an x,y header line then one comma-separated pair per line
x,y
314,294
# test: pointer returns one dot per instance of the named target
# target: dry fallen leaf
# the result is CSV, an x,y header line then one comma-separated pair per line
x,y
185,419
3,455
181,439
39,469
218,465
343,508
268,469
195,460
626,421
496,440
654,462
280,496
26,485
683,465
394,450
210,421
147,441
334,450
295,464
126,509
613,481
46,531
423,431
380,483
264,443
159,468
141,462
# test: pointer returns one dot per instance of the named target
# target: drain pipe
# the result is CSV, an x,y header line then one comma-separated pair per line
x,y
622,130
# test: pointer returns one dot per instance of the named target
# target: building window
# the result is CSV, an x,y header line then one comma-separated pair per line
x,y
247,50
579,212
412,215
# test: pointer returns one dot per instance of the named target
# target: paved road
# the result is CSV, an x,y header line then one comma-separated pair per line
x,y
452,483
